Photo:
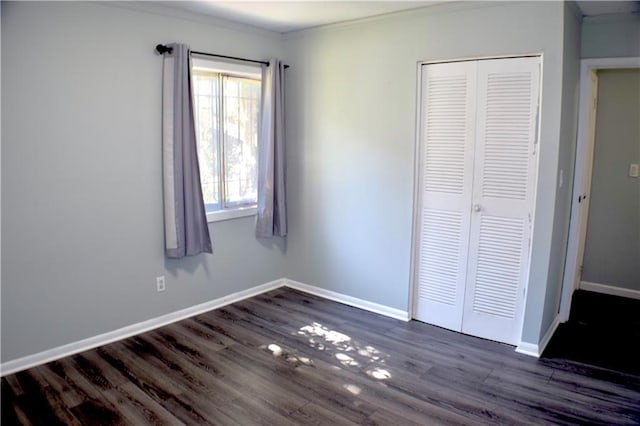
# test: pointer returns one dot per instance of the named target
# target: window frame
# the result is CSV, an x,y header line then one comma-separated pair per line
x,y
233,70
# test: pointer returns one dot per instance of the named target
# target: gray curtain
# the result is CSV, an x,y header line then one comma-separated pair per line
x,y
186,228
272,215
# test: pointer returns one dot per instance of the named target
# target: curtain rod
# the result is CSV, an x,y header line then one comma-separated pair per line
x,y
161,48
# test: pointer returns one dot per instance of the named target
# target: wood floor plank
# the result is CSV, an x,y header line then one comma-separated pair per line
x,y
286,357
354,387
40,404
384,417
201,376
331,395
180,375
562,404
255,411
314,414
11,412
65,379
96,370
95,412
148,374
383,397
12,385
236,381
136,407
445,346
593,388
230,329
183,406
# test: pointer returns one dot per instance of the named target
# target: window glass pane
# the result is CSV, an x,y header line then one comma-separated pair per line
x,y
206,101
241,106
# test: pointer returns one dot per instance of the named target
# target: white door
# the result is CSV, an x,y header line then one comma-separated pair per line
x,y
502,207
446,150
582,187
477,147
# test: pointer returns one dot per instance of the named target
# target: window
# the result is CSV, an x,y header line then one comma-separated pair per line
x,y
226,110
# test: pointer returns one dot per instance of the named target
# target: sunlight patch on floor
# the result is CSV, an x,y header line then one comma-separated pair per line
x,y
329,336
346,359
353,389
277,351
347,351
379,373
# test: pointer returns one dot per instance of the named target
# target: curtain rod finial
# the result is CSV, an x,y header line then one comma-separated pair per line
x,y
161,49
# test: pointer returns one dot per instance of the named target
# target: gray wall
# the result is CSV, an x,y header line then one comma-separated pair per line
x,y
568,134
351,127
610,36
82,238
612,247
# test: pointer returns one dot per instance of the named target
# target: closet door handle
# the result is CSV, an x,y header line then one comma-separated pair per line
x,y
477,207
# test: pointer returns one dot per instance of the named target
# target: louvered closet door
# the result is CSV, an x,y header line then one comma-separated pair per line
x,y
446,149
502,206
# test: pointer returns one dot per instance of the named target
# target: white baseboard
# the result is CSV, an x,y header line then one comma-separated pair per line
x,y
528,349
549,334
49,355
609,289
349,300
537,350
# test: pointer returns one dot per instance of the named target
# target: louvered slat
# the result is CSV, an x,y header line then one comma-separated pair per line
x,y
440,249
496,288
507,135
444,138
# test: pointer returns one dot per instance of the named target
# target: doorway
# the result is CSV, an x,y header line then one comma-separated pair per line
x,y
574,266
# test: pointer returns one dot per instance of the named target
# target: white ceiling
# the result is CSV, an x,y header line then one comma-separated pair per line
x,y
286,16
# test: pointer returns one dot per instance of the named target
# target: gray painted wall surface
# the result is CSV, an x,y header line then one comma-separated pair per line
x,y
568,134
610,36
351,128
82,238
612,247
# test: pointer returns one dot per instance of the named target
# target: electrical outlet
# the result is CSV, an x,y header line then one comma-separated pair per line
x,y
633,170
160,283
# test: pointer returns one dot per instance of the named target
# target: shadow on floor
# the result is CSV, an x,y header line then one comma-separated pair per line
x,y
602,330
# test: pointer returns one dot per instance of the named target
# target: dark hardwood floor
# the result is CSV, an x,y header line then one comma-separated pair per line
x,y
286,358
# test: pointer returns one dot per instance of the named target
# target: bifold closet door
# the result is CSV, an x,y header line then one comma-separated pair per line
x,y
446,149
502,207
477,168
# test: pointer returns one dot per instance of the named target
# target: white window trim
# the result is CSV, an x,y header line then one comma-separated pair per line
x,y
239,70
227,214
248,71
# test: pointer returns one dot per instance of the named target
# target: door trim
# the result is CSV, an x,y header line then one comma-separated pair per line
x,y
582,174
